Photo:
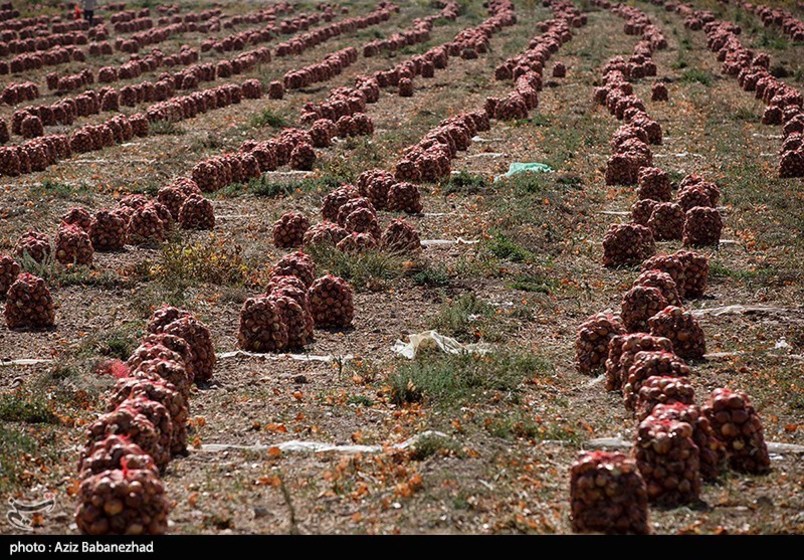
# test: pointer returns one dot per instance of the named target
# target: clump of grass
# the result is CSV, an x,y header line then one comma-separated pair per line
x,y
367,153
744,114
675,176
353,155
763,276
431,277
466,318
446,380
370,270
532,283
183,263
50,187
57,274
465,183
208,140
268,118
14,443
505,248
118,344
147,185
165,128
232,190
774,41
23,406
512,426
680,62
569,181
64,371
154,294
694,75
526,183
540,120
520,425
264,187
360,400
342,169
430,445
410,50
718,270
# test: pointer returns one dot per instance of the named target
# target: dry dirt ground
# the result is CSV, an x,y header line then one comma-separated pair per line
x,y
512,422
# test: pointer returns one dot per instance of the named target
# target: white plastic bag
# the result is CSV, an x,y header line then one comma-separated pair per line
x,y
431,339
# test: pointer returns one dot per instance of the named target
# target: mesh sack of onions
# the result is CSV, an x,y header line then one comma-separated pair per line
x,y
608,495
648,364
736,422
592,341
669,461
122,502
711,448
682,329
622,352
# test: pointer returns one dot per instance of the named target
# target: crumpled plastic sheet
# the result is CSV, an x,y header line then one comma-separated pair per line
x,y
299,446
527,167
297,357
432,339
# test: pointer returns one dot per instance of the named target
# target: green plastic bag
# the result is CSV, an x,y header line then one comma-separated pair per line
x,y
518,167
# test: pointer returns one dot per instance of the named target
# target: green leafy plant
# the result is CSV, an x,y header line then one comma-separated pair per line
x,y
503,247
165,128
24,406
465,183
371,270
268,118
448,380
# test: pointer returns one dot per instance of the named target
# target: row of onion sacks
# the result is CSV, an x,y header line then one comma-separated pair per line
x,y
144,426
644,351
